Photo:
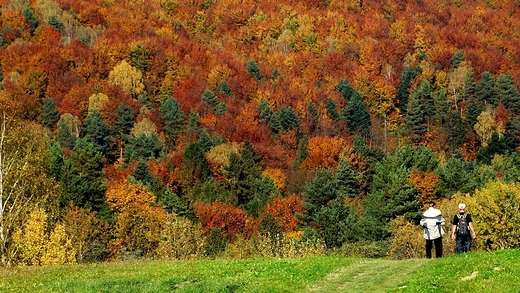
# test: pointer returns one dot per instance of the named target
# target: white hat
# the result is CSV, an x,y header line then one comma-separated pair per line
x,y
462,206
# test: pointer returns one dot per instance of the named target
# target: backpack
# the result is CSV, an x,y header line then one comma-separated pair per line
x,y
462,227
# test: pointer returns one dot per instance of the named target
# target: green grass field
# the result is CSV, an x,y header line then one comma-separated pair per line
x,y
473,272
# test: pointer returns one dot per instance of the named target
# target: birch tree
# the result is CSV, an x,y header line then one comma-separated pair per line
x,y
24,179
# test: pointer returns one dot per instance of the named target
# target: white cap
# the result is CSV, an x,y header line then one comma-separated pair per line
x,y
462,206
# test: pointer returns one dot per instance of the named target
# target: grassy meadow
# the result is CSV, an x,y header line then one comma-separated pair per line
x,y
474,272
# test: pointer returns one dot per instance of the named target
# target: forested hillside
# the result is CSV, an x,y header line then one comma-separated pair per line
x,y
175,129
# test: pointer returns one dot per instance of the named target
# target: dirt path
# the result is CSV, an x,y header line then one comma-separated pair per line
x,y
367,276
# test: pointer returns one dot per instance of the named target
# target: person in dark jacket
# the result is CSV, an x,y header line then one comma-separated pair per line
x,y
462,236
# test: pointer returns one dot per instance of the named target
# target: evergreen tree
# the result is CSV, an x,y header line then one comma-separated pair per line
x,y
221,108
55,23
264,110
96,132
442,109
210,98
83,179
332,109
241,172
456,129
254,71
472,112
143,148
30,18
311,108
469,86
193,123
194,167
288,118
345,89
224,87
57,160
174,120
415,121
455,176
125,120
346,181
66,139
317,194
424,93
485,89
205,141
142,174
403,90
457,59
508,93
391,196
49,113
356,116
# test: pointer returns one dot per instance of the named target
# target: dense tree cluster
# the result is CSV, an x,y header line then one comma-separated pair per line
x,y
124,123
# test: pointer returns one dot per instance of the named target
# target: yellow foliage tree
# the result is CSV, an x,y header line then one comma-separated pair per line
x,y
139,224
96,101
485,127
496,215
277,175
59,249
31,238
128,77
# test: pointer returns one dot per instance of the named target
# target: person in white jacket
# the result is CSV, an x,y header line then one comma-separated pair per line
x,y
432,221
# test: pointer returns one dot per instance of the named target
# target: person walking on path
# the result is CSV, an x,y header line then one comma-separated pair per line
x,y
432,222
462,230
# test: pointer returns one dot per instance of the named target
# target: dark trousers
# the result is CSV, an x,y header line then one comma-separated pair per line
x,y
463,244
438,247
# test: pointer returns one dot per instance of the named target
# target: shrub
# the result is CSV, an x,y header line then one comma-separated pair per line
x,y
181,239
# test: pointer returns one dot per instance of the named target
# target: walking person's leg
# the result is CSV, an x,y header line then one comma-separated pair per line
x,y
429,245
459,244
438,247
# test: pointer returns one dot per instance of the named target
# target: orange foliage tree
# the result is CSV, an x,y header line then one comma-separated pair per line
x,y
284,211
231,220
139,223
324,152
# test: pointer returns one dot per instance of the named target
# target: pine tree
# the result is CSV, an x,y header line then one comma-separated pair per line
x,y
403,90
174,120
142,174
125,120
241,172
508,93
96,132
193,123
55,23
455,176
303,152
457,59
332,109
486,89
472,112
83,178
356,116
205,141
49,113
143,148
345,89
254,71
415,121
194,167
66,139
288,118
209,98
30,18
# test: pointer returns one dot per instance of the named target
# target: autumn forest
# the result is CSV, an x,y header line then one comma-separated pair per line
x,y
174,129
